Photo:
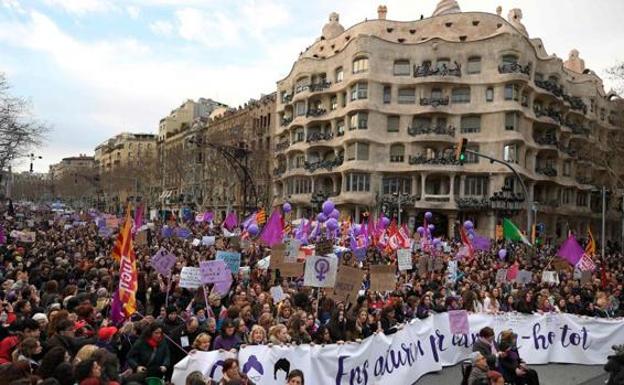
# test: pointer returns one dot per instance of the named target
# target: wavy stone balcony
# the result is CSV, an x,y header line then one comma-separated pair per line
x,y
287,98
584,179
551,87
434,102
318,87
547,140
286,121
279,171
549,113
323,164
436,130
301,88
443,160
282,146
576,103
568,150
546,170
319,136
514,68
427,70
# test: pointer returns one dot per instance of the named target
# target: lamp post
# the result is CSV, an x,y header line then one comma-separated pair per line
x,y
398,198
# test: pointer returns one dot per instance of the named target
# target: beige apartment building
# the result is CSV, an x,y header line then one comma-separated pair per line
x,y
127,168
370,116
81,164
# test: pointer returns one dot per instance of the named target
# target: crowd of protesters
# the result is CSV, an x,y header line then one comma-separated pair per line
x,y
56,292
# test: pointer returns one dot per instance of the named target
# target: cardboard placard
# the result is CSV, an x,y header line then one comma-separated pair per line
x,y
324,247
501,276
524,277
163,261
382,278
214,271
321,271
231,258
235,242
190,277
348,283
277,293
586,277
141,238
404,259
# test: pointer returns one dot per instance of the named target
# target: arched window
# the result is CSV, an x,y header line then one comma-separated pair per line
x,y
510,59
402,67
397,153
360,64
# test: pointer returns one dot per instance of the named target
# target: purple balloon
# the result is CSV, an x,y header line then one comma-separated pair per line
x,y
436,242
335,214
357,228
286,207
420,230
385,222
502,253
321,217
253,229
428,215
431,227
328,207
468,225
332,224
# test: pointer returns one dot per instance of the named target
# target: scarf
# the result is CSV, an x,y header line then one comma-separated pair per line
x,y
152,342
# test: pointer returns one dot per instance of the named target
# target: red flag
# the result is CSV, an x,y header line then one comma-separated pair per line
x,y
117,247
466,241
512,272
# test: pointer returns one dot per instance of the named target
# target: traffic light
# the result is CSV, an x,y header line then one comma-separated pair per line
x,y
460,151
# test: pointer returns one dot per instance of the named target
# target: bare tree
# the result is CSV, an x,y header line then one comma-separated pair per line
x,y
616,73
19,131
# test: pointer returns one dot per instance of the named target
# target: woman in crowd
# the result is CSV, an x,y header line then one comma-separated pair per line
x,y
150,356
202,342
278,335
228,339
515,370
295,377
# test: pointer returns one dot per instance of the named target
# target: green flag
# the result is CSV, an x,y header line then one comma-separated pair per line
x,y
511,232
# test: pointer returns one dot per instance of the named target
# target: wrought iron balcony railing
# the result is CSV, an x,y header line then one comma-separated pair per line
x,y
278,171
281,146
510,68
568,150
317,87
584,179
319,136
546,170
550,86
547,140
287,98
474,203
434,102
437,160
301,88
314,112
428,70
326,164
548,112
576,103
286,121
436,130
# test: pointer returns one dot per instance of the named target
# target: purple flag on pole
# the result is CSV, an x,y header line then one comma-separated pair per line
x,y
249,220
231,221
138,217
166,232
117,315
481,243
571,251
2,236
273,231
208,216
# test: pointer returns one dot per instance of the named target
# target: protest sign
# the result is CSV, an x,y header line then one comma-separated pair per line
x,y
208,240
586,277
210,364
190,277
524,277
163,261
27,236
501,276
348,283
196,242
382,278
278,253
550,277
141,238
277,293
458,321
277,262
423,266
235,242
292,251
214,271
451,270
67,227
231,258
404,259
320,271
222,288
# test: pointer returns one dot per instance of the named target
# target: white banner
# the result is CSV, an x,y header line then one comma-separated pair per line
x,y
425,346
320,271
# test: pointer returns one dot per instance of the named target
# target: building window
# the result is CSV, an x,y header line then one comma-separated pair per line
x,y
511,92
581,199
421,123
397,153
299,135
511,121
567,168
387,94
402,68
351,151
471,124
299,161
393,123
474,65
339,75
299,185
566,196
525,99
476,186
510,59
362,151
510,153
300,108
359,120
407,95
334,102
340,128
489,94
461,95
396,185
470,157
443,63
436,93
360,65
359,91
357,182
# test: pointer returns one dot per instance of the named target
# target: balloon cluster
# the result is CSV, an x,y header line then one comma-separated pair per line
x,y
469,227
426,233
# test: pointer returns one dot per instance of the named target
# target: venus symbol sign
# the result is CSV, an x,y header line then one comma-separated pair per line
x,y
320,271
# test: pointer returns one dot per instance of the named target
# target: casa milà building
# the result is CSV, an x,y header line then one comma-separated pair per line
x,y
369,116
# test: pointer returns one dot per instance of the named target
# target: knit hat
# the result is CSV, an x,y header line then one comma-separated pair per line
x,y
107,333
40,317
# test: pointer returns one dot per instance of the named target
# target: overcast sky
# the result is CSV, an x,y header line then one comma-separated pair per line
x,y
95,68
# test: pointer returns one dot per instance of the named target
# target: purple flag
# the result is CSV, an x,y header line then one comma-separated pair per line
x,y
166,232
249,220
117,314
138,217
571,251
273,231
2,236
481,243
231,221
208,216
182,232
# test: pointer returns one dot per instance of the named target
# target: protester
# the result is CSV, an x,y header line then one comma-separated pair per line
x,y
479,372
514,369
149,356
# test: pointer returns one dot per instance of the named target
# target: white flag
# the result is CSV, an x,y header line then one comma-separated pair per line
x,y
321,271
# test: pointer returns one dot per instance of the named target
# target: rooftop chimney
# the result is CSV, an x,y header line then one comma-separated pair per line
x,y
382,10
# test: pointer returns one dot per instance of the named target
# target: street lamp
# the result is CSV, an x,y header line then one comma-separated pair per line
x,y
33,157
398,197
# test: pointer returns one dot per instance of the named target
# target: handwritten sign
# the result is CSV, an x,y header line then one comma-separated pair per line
x,y
235,242
458,322
382,278
404,259
550,277
278,262
524,277
292,251
208,240
190,277
348,283
232,260
163,261
324,247
277,293
27,237
501,275
141,238
214,271
196,242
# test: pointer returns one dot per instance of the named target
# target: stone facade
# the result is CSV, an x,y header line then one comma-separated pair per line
x,y
374,112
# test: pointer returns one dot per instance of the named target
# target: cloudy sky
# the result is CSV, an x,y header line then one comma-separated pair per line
x,y
95,68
